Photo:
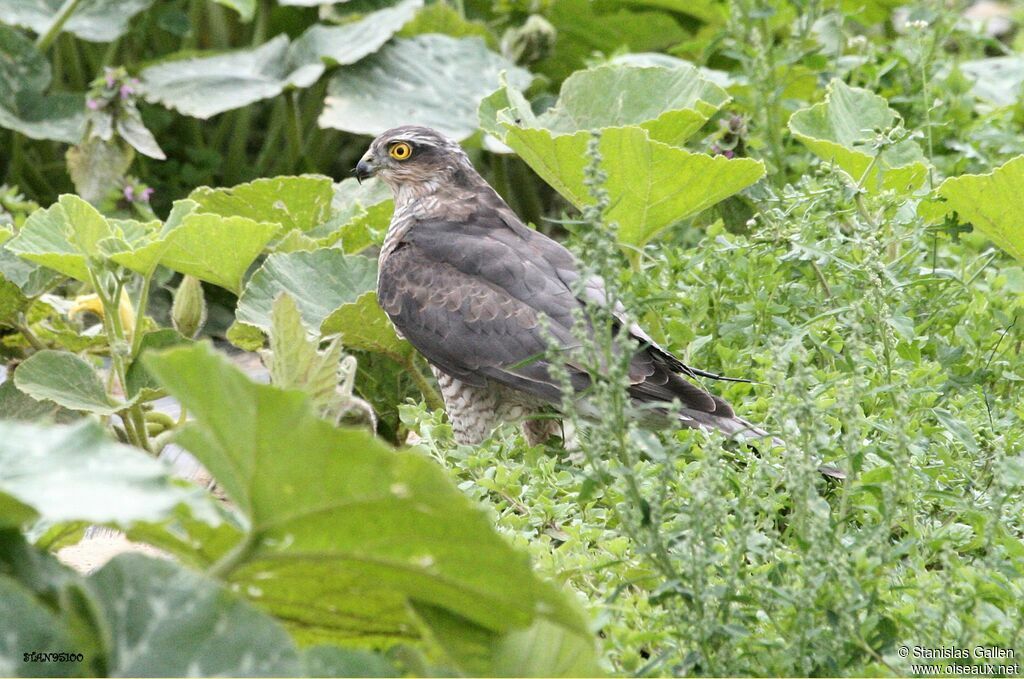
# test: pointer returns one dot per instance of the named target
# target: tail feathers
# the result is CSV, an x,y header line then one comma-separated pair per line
x,y
738,427
728,425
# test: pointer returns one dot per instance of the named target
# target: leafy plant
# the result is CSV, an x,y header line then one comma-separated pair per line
x,y
774,190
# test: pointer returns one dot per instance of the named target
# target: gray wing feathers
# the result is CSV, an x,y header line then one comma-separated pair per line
x,y
470,295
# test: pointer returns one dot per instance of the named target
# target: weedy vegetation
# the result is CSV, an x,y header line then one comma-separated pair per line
x,y
822,196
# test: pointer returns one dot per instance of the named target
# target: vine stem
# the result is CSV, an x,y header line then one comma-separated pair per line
x,y
140,316
430,395
131,416
63,14
26,332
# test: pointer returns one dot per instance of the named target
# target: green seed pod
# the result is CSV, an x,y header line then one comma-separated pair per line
x,y
188,313
530,42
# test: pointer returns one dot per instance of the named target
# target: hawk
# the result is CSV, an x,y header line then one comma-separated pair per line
x,y
484,297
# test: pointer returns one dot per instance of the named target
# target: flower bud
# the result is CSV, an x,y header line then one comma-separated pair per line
x,y
530,42
188,312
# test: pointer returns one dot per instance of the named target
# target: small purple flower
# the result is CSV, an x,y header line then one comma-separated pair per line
x,y
93,104
146,193
129,193
127,91
729,154
110,79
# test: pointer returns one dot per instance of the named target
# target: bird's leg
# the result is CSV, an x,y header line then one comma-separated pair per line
x,y
537,430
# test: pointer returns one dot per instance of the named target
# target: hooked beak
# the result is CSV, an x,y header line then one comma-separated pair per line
x,y
365,169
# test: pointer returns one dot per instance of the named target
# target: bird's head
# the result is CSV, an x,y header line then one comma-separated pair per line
x,y
413,159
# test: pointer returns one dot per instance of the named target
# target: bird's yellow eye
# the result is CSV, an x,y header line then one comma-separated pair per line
x,y
400,150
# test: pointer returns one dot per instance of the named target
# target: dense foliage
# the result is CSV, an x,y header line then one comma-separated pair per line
x,y
822,196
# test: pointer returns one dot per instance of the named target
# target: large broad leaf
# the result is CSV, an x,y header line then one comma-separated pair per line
x,y
364,212
542,650
670,103
650,185
345,531
31,279
216,249
166,621
76,473
583,30
145,617
319,281
64,379
350,42
63,236
246,8
210,247
431,80
207,85
295,203
16,405
840,130
295,360
364,326
94,20
992,202
998,79
28,625
135,245
24,78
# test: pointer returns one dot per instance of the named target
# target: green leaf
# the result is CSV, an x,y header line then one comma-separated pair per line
x,y
583,30
650,185
364,326
363,215
24,77
32,279
294,360
992,202
165,620
542,650
76,473
65,379
140,384
16,405
840,130
670,103
246,8
12,302
997,79
203,86
63,236
93,20
344,530
431,80
334,661
26,626
299,203
442,18
135,245
96,166
319,281
216,249
708,11
350,42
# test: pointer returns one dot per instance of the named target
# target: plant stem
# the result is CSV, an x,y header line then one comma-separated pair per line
x,y
140,315
27,333
294,130
63,14
430,395
132,416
